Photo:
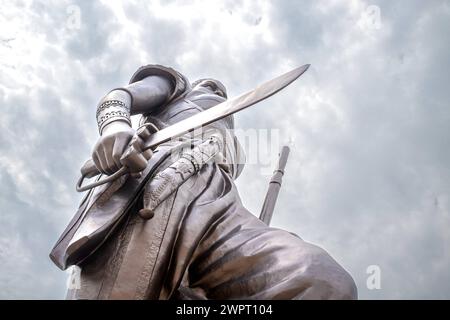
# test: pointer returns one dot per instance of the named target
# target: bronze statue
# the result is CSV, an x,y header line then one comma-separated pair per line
x,y
167,221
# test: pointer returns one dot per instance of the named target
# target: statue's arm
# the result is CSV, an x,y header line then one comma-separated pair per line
x,y
150,87
148,93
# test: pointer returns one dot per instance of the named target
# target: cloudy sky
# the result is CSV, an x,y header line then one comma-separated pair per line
x,y
368,177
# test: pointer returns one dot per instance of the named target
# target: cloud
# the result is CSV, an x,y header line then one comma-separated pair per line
x,y
368,176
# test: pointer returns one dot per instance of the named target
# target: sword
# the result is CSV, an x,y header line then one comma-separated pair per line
x,y
151,141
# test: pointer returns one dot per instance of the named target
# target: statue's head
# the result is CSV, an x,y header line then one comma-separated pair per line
x,y
211,84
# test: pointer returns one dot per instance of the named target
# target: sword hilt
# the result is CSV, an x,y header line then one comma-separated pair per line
x,y
134,160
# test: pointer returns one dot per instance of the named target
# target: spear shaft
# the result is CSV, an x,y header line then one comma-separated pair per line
x,y
274,187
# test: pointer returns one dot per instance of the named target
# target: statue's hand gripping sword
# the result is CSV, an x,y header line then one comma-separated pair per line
x,y
134,159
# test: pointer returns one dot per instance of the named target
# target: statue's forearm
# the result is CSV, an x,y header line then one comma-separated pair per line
x,y
149,93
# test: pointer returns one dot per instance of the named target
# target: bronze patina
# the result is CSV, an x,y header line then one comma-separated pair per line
x,y
169,223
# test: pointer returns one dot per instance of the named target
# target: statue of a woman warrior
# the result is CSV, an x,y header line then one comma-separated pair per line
x,y
179,229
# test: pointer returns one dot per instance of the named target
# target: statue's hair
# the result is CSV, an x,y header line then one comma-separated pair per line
x,y
215,84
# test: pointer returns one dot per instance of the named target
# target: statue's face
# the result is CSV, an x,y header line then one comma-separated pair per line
x,y
210,85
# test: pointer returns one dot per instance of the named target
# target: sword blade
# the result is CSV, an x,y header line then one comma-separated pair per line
x,y
225,108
